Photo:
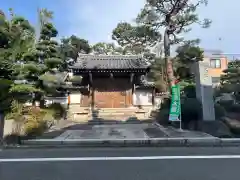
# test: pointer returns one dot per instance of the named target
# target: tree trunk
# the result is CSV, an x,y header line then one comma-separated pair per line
x,y
1,128
168,61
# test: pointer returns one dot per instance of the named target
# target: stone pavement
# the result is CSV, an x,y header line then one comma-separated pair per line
x,y
127,135
127,131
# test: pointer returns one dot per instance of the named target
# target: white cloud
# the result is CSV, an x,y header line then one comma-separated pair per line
x,y
95,19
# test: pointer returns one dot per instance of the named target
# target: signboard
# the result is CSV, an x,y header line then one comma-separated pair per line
x,y
175,108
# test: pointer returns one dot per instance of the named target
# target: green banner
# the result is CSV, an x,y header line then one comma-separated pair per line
x,y
175,109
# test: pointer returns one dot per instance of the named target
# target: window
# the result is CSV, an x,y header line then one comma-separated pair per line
x,y
215,63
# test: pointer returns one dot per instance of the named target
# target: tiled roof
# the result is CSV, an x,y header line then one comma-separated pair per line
x,y
110,62
144,82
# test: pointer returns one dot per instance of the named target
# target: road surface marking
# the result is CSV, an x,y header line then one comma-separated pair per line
x,y
119,158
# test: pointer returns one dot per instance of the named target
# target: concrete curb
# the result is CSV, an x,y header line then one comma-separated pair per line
x,y
154,142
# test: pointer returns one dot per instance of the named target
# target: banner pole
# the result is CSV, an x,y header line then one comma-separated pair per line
x,y
180,118
180,112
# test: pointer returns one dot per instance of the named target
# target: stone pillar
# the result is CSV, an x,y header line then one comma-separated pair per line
x,y
204,90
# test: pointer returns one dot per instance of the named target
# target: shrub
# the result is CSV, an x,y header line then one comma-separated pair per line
x,y
219,111
59,111
226,104
16,112
190,91
162,116
166,103
229,106
234,108
34,124
191,110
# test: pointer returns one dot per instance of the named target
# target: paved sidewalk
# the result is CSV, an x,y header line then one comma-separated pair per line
x,y
127,131
129,135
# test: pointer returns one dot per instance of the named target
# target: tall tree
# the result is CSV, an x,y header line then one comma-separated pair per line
x,y
230,81
187,55
44,16
107,49
16,40
135,39
48,48
175,17
158,74
70,48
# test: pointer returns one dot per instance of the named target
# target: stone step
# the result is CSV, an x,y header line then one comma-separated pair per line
x,y
118,118
115,110
113,113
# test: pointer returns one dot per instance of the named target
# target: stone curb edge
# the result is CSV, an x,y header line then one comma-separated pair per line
x,y
154,142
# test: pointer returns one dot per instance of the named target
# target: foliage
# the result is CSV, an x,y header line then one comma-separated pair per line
x,y
175,17
59,111
230,83
187,55
76,79
16,40
23,88
5,97
230,106
45,16
17,110
34,124
188,89
17,114
102,48
220,111
158,74
191,110
135,38
52,63
70,47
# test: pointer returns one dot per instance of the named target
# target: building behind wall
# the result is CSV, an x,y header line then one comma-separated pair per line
x,y
217,63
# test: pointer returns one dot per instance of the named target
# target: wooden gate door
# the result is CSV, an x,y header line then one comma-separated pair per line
x,y
115,93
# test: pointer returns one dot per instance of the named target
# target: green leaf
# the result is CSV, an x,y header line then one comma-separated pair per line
x,y
23,88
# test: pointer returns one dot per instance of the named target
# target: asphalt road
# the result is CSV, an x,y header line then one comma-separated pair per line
x,y
121,164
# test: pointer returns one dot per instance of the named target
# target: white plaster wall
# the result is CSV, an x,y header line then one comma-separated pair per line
x,y
8,127
61,100
75,98
142,98
158,102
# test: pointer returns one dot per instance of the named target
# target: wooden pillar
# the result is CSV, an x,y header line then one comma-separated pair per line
x,y
153,96
91,91
90,78
133,88
69,98
92,97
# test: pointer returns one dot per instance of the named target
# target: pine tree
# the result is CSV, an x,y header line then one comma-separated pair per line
x,y
230,81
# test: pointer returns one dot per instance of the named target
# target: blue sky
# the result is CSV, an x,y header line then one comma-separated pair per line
x,y
94,20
